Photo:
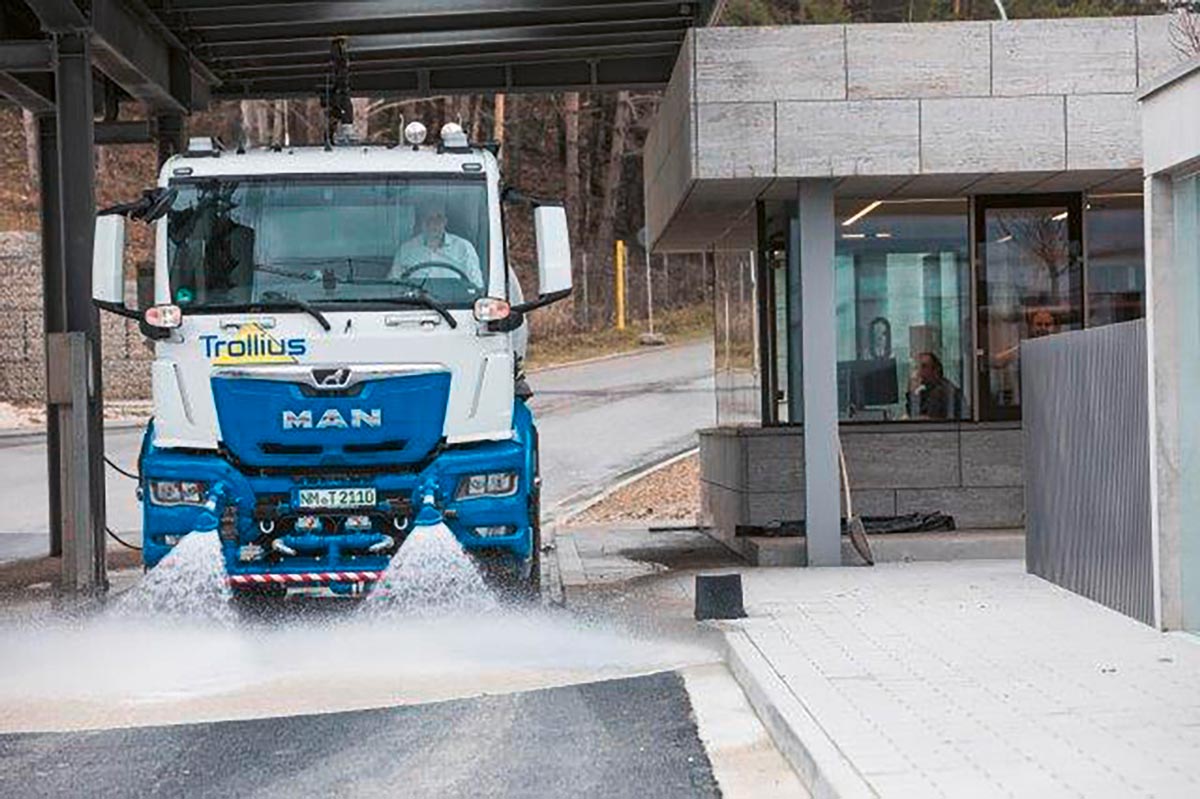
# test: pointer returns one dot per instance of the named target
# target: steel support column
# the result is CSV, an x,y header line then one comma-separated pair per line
x,y
54,309
822,497
80,408
170,136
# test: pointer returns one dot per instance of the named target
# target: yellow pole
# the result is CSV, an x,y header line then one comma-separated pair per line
x,y
620,277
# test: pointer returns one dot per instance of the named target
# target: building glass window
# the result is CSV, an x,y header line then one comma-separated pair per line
x,y
738,378
1116,276
902,275
1029,284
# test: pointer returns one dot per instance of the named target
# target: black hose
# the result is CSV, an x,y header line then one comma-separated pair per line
x,y
122,471
119,540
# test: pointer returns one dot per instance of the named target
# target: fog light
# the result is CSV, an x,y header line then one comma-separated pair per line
x,y
250,552
357,523
171,540
493,532
308,524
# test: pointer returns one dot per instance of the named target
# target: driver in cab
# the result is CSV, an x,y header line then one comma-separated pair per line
x,y
433,245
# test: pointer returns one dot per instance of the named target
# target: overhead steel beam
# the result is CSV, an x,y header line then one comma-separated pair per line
x,y
382,66
643,73
135,131
276,22
59,16
131,53
35,55
32,92
531,36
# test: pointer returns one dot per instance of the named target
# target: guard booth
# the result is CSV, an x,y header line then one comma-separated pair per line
x,y
131,71
889,210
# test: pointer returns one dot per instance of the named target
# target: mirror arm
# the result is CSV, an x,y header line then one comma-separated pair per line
x,y
543,300
118,308
511,195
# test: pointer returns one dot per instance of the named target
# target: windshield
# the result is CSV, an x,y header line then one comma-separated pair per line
x,y
327,241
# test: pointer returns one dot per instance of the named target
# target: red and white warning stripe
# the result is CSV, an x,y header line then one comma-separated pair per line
x,y
299,578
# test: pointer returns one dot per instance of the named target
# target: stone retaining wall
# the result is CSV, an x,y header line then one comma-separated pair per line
x,y
127,355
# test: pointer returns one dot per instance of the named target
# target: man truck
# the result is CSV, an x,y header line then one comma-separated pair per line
x,y
338,338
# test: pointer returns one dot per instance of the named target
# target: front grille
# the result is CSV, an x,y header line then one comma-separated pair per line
x,y
394,445
274,448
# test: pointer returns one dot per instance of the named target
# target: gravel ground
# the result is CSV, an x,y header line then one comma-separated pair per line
x,y
668,494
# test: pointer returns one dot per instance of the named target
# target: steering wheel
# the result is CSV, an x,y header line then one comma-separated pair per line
x,y
456,271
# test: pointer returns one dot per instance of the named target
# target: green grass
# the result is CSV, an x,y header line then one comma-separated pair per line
x,y
677,325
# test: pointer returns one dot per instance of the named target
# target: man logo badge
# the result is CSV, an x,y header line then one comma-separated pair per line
x,y
331,378
333,418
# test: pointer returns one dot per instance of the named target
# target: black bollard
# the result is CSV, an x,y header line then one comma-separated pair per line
x,y
719,596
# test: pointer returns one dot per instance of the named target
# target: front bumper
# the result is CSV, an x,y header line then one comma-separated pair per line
x,y
265,551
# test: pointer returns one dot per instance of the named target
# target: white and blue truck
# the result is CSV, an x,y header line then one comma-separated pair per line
x,y
338,338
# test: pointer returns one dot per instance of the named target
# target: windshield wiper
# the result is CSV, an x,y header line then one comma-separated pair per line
x,y
419,300
288,303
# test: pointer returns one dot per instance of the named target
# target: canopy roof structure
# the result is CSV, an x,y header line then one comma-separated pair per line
x,y
74,62
176,54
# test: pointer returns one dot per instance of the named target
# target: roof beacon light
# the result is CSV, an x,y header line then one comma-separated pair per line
x,y
453,135
414,133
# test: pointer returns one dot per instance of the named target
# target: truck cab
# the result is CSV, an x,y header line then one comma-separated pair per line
x,y
338,344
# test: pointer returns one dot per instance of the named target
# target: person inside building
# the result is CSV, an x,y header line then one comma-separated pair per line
x,y
1041,322
932,395
434,244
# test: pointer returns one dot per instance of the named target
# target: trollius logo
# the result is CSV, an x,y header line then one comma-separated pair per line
x,y
252,344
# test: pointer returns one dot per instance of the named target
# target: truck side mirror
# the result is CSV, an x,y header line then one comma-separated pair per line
x,y
108,261
553,250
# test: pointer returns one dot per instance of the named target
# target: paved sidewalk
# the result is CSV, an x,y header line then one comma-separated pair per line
x,y
965,679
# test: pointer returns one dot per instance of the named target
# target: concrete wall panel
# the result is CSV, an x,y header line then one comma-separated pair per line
x,y
736,140
902,460
1103,132
925,60
860,137
1157,54
972,508
1064,56
1014,134
991,457
799,62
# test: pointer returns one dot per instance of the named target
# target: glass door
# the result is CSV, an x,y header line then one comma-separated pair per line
x,y
1029,283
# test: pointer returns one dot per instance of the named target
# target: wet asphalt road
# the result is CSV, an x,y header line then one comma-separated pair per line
x,y
597,421
632,738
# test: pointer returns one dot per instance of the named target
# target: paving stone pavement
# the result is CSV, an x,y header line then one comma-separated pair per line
x,y
975,679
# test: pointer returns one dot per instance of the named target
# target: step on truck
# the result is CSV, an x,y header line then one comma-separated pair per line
x,y
338,345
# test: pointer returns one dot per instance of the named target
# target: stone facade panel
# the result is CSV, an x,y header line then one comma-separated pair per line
x,y
918,60
1104,131
795,62
1012,134
1064,56
860,137
736,140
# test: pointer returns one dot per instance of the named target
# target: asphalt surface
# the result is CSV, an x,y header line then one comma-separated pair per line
x,y
622,738
597,421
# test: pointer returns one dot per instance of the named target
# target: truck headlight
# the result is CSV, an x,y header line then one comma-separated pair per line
x,y
178,492
496,484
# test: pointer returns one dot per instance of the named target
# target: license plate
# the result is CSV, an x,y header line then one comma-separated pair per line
x,y
335,498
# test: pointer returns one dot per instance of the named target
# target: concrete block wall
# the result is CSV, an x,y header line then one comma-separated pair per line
x,y
972,471
1036,97
22,344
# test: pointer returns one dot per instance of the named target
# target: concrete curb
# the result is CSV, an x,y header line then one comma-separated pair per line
x,y
822,767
